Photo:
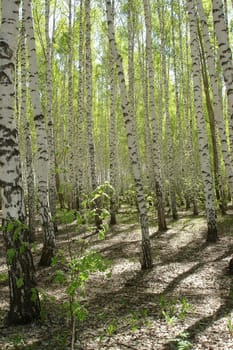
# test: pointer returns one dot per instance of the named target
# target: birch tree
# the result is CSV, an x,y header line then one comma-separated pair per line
x,y
51,147
42,146
225,56
89,97
156,161
112,136
165,78
201,127
218,111
24,300
146,262
80,108
28,141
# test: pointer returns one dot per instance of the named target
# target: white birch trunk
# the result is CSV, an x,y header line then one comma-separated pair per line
x,y
51,148
156,159
28,142
72,199
42,147
221,31
218,112
201,127
165,78
112,139
23,308
80,110
91,145
146,262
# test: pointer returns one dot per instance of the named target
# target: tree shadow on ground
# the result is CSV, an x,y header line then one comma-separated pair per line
x,y
202,324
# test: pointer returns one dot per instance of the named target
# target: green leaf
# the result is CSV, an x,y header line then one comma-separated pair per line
x,y
23,247
79,311
60,277
10,226
3,277
19,282
10,255
34,294
54,260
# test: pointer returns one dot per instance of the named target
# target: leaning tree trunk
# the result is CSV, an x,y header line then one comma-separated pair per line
x,y
218,111
146,262
42,148
201,127
221,31
218,181
24,300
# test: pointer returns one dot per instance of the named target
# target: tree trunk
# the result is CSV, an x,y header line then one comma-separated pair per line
x,y
221,31
90,138
51,147
42,147
165,80
24,299
112,140
146,262
28,141
218,111
201,127
162,226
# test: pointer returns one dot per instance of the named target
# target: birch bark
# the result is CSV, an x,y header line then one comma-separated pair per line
x,y
41,136
201,127
21,273
155,129
146,262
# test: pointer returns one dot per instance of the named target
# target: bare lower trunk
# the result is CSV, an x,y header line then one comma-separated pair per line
x,y
162,225
24,301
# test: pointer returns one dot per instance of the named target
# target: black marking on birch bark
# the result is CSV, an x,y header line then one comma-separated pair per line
x,y
39,117
5,50
4,79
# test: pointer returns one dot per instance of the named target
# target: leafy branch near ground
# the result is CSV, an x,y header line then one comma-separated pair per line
x,y
74,272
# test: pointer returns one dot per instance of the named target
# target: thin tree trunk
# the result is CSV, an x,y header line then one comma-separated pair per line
x,y
51,148
221,31
146,262
218,112
29,156
112,139
201,127
162,226
217,173
42,147
80,111
90,138
165,77
72,194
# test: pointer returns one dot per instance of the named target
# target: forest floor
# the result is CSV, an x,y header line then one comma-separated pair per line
x,y
184,302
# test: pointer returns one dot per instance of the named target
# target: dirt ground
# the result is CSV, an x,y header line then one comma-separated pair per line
x,y
184,302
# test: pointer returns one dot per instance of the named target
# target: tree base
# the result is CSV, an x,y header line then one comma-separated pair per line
x,y
146,263
113,220
14,319
212,235
46,257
